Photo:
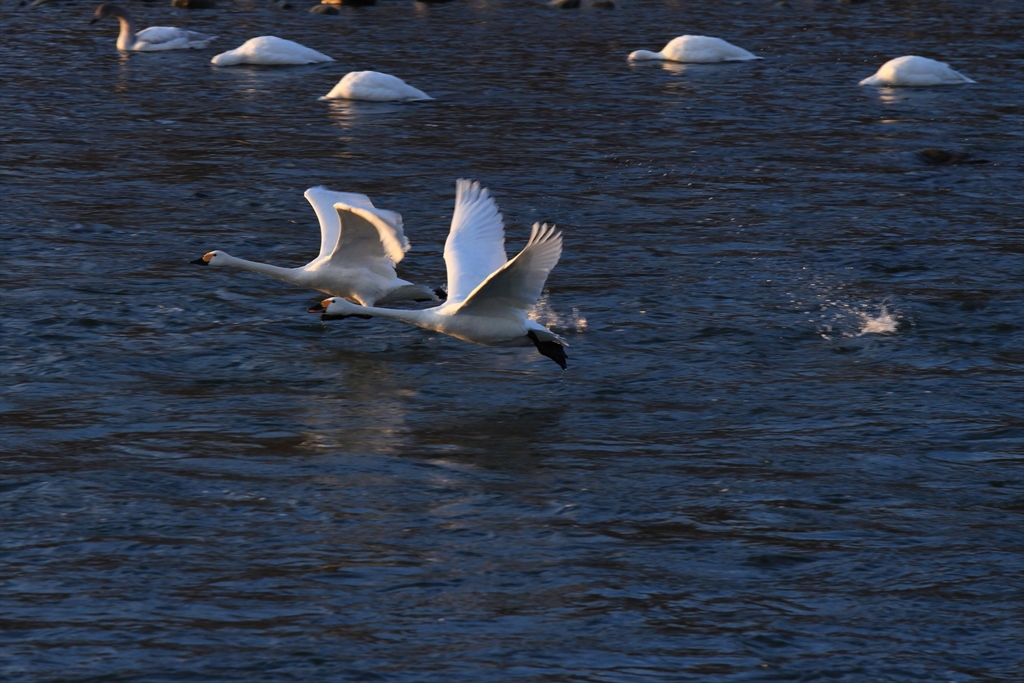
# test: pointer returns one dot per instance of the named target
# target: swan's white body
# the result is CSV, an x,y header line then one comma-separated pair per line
x,y
359,247
696,50
373,86
915,72
152,39
270,50
488,296
157,38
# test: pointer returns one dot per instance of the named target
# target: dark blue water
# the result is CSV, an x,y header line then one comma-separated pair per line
x,y
788,444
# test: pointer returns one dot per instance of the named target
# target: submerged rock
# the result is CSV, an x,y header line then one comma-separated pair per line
x,y
941,157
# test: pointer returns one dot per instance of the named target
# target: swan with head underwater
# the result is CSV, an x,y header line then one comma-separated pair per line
x,y
695,50
914,71
488,295
270,51
359,247
152,39
374,86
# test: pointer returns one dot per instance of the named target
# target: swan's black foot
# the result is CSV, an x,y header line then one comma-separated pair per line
x,y
550,349
326,316
441,294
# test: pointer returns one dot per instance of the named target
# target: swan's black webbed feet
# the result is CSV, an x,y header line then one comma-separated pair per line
x,y
550,349
441,294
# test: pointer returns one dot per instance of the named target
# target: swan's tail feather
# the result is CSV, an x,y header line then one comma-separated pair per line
x,y
966,79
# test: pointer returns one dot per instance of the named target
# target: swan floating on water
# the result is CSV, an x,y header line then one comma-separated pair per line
x,y
488,296
270,50
373,86
152,39
696,50
915,72
359,247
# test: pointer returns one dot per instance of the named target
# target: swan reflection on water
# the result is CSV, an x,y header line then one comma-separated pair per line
x,y
350,114
367,413
913,98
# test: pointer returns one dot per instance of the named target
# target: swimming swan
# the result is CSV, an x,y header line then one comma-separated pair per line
x,y
373,86
915,71
152,39
359,247
488,296
696,50
269,50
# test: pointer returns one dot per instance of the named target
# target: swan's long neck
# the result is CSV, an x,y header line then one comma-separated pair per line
x,y
293,276
422,318
125,39
642,55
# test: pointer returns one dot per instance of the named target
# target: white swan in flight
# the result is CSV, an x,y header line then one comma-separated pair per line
x,y
152,39
374,86
359,247
696,50
488,296
270,50
915,72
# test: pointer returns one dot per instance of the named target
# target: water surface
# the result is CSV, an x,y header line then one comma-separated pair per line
x,y
787,446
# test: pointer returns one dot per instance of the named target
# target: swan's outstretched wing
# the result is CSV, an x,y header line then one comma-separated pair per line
x,y
476,242
369,238
518,284
323,201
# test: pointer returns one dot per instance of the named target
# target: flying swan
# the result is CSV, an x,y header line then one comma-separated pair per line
x,y
152,39
488,296
696,50
915,71
271,51
374,86
359,247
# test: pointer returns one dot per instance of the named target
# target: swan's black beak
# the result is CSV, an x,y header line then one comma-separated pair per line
x,y
200,262
319,308
94,20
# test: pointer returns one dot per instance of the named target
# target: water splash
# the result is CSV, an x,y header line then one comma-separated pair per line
x,y
547,316
884,323
837,319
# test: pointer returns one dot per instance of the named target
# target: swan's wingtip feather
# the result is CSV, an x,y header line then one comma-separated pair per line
x,y
389,226
469,190
543,232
